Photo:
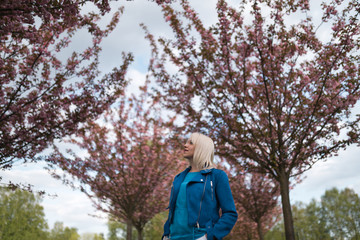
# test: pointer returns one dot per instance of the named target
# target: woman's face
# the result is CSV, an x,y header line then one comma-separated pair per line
x,y
189,149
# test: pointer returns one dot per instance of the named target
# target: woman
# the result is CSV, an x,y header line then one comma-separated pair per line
x,y
197,195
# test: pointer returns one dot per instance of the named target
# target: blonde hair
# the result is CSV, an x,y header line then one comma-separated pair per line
x,y
204,151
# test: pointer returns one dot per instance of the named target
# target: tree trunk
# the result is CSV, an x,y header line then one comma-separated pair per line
x,y
259,229
128,230
286,207
140,234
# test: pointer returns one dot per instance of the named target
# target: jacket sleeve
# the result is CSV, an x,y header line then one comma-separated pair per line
x,y
166,229
167,223
226,202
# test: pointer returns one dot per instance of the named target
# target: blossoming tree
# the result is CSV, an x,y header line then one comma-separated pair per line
x,y
273,92
42,96
257,198
129,165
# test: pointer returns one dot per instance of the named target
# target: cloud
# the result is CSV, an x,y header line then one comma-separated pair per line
x,y
130,37
137,80
341,171
74,209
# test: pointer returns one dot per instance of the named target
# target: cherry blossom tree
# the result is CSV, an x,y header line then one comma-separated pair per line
x,y
244,229
257,197
275,94
129,165
43,95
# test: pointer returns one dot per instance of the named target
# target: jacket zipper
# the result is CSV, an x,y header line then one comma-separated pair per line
x,y
171,195
172,192
197,222
212,191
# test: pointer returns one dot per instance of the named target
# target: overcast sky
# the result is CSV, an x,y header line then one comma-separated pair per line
x,y
74,209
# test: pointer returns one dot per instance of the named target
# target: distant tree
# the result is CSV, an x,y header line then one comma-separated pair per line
x,y
92,236
336,216
257,197
59,232
340,211
244,229
118,231
308,222
46,94
154,229
21,216
277,232
276,96
130,162
114,230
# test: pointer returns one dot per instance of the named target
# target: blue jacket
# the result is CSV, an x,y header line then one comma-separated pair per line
x,y
205,196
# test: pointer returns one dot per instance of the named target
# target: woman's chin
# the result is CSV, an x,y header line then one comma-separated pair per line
x,y
187,157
